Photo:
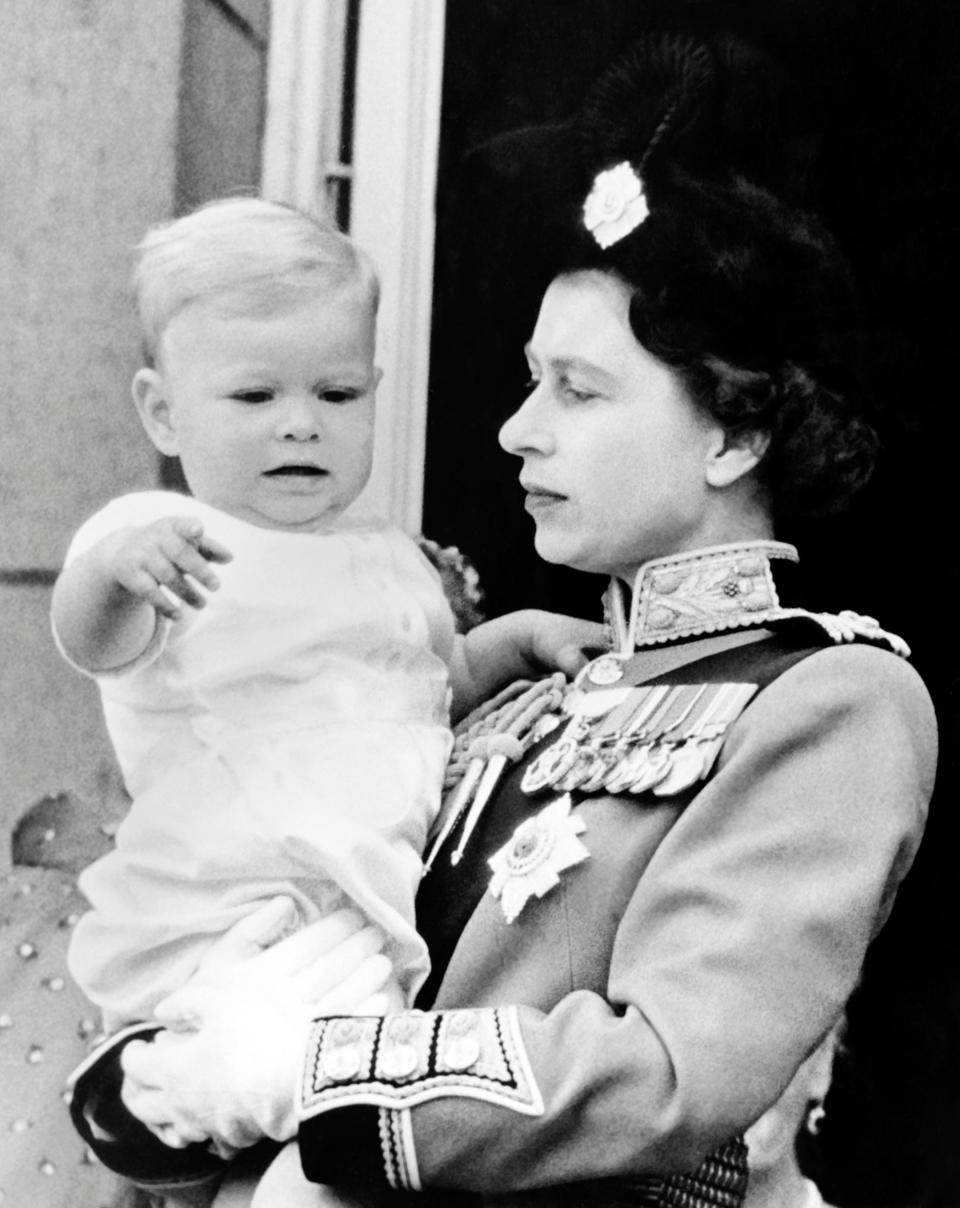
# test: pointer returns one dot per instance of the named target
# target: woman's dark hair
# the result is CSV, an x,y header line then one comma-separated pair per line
x,y
744,295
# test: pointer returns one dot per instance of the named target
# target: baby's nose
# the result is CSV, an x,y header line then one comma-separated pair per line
x,y
301,421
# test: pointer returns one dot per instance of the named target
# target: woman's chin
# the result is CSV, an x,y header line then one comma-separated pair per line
x,y
550,548
558,551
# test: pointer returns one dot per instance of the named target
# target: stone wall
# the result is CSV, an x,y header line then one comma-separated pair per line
x,y
88,111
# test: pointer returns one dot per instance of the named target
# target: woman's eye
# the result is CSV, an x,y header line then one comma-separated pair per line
x,y
578,394
337,395
252,396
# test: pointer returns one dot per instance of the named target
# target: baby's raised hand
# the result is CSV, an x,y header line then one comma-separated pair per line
x,y
165,561
557,642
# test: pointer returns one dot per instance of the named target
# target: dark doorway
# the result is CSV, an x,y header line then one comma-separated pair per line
x,y
872,113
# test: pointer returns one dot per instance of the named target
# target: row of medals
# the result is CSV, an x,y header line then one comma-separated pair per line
x,y
659,738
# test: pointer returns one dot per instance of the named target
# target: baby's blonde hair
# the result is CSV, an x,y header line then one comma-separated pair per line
x,y
248,255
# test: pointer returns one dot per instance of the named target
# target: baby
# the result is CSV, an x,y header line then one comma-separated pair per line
x,y
281,721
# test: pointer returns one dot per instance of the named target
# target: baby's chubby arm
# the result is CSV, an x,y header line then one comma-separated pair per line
x,y
520,644
106,601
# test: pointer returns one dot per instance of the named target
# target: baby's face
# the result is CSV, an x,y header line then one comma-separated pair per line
x,y
272,416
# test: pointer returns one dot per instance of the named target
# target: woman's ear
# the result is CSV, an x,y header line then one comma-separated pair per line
x,y
734,454
150,399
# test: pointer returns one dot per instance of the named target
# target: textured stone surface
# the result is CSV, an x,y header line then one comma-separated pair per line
x,y
89,98
52,737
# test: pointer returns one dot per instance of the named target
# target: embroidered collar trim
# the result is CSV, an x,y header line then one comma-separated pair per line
x,y
715,590
700,592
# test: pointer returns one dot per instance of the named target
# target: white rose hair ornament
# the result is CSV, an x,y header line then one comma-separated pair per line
x,y
616,204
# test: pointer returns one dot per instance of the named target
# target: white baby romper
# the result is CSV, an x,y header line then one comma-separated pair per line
x,y
290,737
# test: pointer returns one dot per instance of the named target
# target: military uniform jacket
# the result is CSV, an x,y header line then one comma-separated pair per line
x,y
659,995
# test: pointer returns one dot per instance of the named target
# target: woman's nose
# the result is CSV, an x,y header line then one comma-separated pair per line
x,y
525,430
300,420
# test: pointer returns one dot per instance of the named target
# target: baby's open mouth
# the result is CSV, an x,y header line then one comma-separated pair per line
x,y
304,471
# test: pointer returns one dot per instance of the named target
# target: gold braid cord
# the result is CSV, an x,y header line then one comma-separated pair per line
x,y
720,1181
510,715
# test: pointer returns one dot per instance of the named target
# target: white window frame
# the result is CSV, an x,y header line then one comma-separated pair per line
x,y
392,210
302,123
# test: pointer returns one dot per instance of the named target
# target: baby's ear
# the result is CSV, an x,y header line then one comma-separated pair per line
x,y
150,398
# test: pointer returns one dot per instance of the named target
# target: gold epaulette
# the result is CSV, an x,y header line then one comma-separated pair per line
x,y
846,626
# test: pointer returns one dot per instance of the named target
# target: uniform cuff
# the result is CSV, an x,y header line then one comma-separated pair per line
x,y
363,1075
343,1148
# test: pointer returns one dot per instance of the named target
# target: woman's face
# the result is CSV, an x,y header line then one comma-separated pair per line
x,y
614,451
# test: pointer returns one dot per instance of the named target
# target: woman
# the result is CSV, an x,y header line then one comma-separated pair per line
x,y
641,933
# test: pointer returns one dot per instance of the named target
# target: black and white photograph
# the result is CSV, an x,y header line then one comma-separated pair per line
x,y
481,672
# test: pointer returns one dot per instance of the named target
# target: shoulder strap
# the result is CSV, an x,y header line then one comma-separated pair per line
x,y
759,663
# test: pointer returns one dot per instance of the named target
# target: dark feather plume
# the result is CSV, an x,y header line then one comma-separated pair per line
x,y
658,93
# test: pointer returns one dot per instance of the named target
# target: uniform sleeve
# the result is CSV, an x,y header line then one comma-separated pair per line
x,y
739,947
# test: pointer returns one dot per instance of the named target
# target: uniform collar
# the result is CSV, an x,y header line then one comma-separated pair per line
x,y
700,592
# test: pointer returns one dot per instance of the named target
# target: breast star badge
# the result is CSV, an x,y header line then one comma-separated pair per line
x,y
530,862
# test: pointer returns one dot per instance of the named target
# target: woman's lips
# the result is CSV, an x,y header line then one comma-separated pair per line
x,y
539,499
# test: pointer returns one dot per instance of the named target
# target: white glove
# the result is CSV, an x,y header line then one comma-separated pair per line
x,y
323,966
231,1078
227,1067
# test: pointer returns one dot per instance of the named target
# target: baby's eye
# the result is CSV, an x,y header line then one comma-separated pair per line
x,y
252,396
338,394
